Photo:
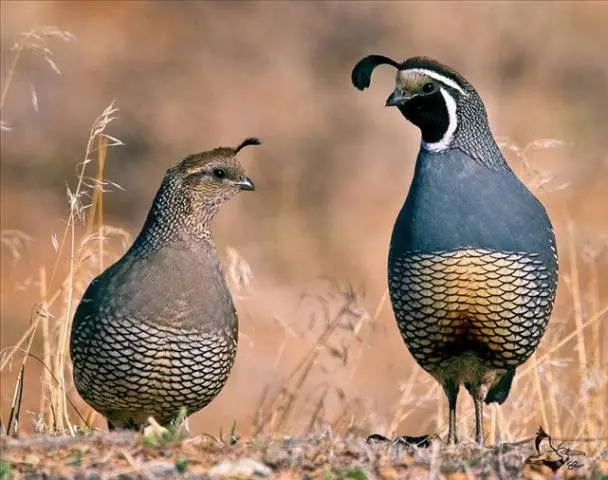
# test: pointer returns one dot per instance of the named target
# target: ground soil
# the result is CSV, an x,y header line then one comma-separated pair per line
x,y
127,455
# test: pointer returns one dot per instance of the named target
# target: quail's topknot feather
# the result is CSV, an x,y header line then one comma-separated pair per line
x,y
248,141
362,73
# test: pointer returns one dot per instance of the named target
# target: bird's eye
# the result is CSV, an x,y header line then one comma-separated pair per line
x,y
219,173
428,87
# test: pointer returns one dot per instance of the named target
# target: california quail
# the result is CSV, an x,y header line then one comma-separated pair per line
x,y
157,331
472,267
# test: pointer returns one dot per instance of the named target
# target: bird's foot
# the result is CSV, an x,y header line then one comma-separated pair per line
x,y
376,438
452,440
422,441
123,424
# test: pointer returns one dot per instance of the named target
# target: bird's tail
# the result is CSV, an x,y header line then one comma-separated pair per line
x,y
499,392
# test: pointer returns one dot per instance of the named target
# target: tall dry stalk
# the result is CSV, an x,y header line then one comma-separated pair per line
x,y
77,245
35,41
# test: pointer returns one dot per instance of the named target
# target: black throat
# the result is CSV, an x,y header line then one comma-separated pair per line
x,y
472,134
430,114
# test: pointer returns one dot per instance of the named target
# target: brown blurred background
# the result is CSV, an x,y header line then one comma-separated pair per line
x,y
333,169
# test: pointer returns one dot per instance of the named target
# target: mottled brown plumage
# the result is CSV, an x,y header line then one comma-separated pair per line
x,y
158,331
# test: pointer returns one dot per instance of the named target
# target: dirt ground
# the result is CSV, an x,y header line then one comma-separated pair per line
x,y
126,455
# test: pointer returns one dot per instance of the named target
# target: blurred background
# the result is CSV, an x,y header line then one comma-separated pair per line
x,y
331,175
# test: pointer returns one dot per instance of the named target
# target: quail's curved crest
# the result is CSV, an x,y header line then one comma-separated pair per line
x,y
158,330
472,268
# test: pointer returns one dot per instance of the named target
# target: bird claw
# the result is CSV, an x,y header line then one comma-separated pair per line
x,y
377,438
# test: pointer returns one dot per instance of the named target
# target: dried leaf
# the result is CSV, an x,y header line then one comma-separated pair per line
x,y
34,98
54,241
547,143
52,64
113,140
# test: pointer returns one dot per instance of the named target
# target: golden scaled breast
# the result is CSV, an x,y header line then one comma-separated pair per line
x,y
499,301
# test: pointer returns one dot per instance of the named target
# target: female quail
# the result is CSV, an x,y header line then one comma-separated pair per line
x,y
472,267
157,331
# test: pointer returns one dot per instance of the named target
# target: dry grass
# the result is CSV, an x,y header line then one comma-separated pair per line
x,y
81,254
322,455
565,384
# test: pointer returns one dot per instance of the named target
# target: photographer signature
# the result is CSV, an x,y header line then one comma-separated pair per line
x,y
553,457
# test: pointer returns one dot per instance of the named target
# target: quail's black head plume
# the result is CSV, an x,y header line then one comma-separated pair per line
x,y
157,331
247,142
472,260
362,73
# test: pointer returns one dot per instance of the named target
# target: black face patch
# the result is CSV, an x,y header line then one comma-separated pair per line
x,y
430,114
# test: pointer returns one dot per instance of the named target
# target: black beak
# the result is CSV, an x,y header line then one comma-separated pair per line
x,y
397,99
246,184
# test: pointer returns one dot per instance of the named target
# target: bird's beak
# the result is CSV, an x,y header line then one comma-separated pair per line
x,y
246,184
398,98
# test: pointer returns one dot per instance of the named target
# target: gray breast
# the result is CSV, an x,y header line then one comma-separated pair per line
x,y
456,202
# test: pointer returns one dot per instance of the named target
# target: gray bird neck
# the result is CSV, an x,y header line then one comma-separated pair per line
x,y
175,219
474,137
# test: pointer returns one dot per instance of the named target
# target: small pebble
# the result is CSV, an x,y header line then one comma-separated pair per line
x,y
240,468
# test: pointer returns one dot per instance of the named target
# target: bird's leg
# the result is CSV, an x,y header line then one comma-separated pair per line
x,y
451,390
452,434
478,420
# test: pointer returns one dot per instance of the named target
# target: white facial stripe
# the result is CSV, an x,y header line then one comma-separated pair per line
x,y
437,76
447,138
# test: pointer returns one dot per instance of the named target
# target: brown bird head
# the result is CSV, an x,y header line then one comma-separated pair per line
x,y
214,176
192,193
201,183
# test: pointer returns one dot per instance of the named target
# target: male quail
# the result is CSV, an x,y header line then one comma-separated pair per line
x,y
157,331
472,267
